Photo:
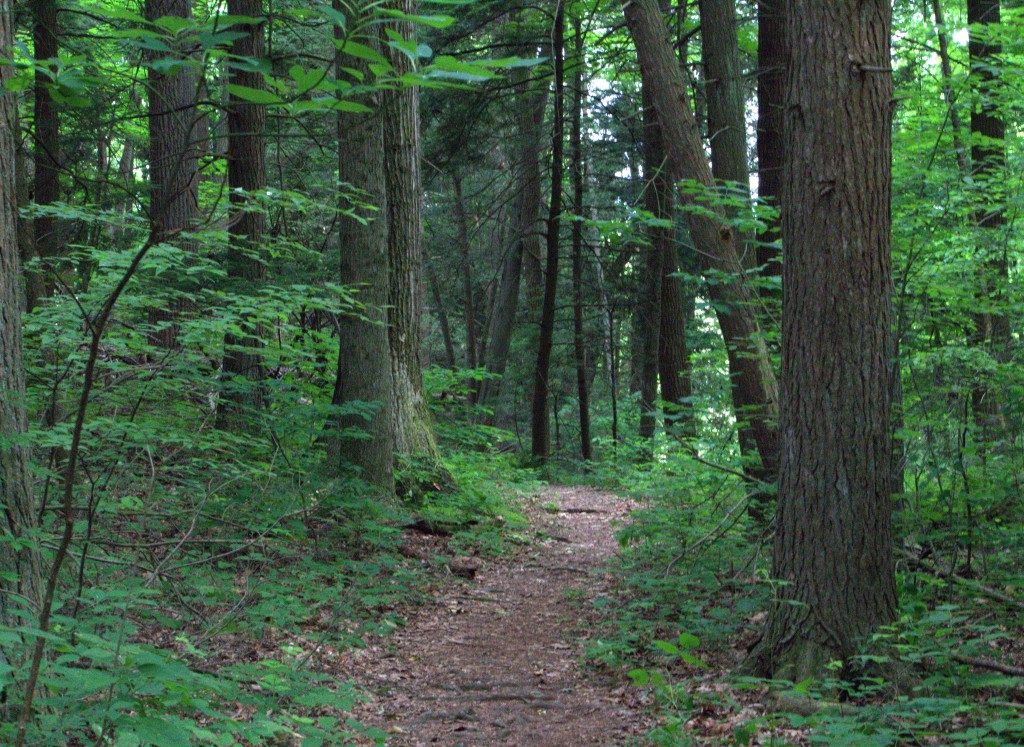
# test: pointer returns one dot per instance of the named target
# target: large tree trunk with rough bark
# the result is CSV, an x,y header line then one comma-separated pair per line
x,y
411,425
174,143
540,430
247,177
360,440
716,242
20,563
833,545
46,153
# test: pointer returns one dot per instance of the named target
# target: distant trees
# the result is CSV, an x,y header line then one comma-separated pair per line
x,y
717,245
833,542
530,103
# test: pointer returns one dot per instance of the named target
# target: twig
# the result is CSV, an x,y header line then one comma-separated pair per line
x,y
984,663
974,586
721,467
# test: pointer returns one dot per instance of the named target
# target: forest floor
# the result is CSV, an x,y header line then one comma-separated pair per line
x,y
498,659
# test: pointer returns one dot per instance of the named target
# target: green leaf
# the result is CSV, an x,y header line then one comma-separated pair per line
x,y
254,95
159,732
434,21
688,641
666,647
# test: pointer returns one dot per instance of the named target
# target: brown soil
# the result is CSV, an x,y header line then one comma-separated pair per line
x,y
497,661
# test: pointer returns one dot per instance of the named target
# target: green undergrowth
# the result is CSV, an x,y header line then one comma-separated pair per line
x,y
692,587
216,581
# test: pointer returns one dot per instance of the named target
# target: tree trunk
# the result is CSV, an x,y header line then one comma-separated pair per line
x,y
988,161
946,66
20,564
716,243
174,141
833,544
579,344
657,201
771,102
674,367
540,427
247,177
46,120
609,339
411,427
442,318
364,368
462,226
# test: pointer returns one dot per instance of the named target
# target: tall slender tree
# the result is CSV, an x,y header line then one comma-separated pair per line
x,y
247,176
174,141
364,375
540,427
659,238
771,100
833,550
988,166
468,297
674,368
578,184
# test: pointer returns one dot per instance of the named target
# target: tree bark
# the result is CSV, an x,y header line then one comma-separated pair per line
x,y
462,227
716,243
412,428
540,427
247,176
364,363
771,102
20,564
674,369
46,128
833,543
579,343
174,141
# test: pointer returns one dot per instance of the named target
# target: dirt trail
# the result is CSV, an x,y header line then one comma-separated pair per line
x,y
496,661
